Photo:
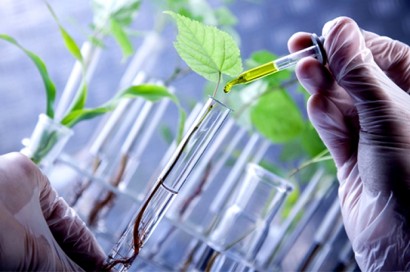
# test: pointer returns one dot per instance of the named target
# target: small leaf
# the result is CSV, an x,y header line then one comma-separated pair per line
x,y
71,45
149,92
167,134
311,141
259,57
225,17
80,98
83,114
277,117
121,38
69,42
181,124
290,202
41,67
241,102
122,11
96,41
292,150
206,49
154,93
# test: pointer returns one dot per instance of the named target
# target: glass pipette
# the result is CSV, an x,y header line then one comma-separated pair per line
x,y
316,50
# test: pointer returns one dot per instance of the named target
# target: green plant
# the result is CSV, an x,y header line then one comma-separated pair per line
x,y
113,18
207,50
266,105
78,111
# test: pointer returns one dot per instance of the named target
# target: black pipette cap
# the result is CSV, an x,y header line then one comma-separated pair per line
x,y
318,41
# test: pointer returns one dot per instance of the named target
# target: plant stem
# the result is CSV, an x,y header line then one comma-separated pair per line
x,y
177,73
217,84
318,158
110,195
85,184
197,192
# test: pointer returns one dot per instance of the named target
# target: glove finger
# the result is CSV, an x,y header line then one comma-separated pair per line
x,y
352,64
392,56
316,78
299,41
26,240
337,133
69,230
329,108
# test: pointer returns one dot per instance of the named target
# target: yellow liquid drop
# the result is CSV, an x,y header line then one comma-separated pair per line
x,y
229,86
251,75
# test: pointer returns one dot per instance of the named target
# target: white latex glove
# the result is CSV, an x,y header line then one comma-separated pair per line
x,y
38,231
360,106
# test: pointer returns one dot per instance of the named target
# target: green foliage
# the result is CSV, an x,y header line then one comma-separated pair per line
x,y
290,202
225,17
154,93
121,38
122,11
277,117
147,91
311,141
113,17
207,50
167,134
41,67
80,98
69,42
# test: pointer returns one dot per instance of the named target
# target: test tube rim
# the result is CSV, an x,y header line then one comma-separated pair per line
x,y
270,178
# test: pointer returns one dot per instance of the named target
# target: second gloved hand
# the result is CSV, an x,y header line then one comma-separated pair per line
x,y
39,232
360,106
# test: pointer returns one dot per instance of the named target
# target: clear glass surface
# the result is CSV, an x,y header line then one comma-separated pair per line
x,y
47,141
244,224
169,182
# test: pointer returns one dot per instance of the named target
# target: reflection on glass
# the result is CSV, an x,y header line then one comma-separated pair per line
x,y
169,182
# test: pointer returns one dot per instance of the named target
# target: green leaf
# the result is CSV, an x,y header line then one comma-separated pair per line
x,y
121,38
277,117
303,91
69,42
242,101
181,123
122,11
167,134
225,17
71,45
80,98
311,141
96,41
292,150
260,57
41,67
290,202
154,93
83,114
207,50
149,92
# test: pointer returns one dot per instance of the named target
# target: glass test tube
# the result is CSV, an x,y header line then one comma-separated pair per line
x,y
169,183
242,227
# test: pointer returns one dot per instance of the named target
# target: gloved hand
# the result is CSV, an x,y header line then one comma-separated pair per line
x,y
38,231
360,106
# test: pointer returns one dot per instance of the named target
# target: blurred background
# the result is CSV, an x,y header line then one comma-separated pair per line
x,y
307,233
260,25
